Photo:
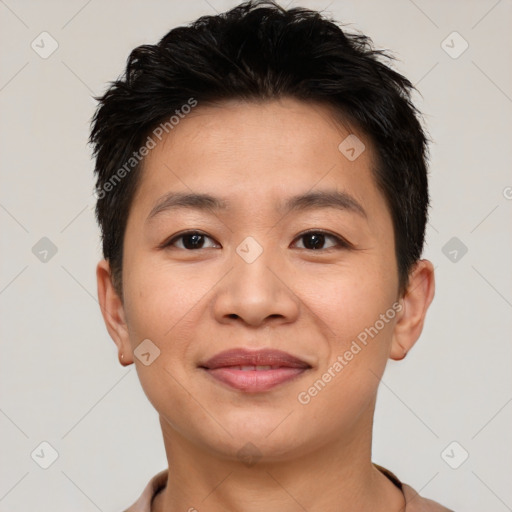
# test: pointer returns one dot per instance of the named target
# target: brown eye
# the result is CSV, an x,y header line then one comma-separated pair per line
x,y
190,240
315,240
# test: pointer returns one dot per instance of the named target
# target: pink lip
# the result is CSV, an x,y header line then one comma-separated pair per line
x,y
284,367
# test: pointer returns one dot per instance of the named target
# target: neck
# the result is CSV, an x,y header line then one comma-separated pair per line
x,y
332,478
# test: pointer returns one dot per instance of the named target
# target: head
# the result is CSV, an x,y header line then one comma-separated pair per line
x,y
249,110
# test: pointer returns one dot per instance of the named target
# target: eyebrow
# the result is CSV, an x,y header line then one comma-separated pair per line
x,y
302,202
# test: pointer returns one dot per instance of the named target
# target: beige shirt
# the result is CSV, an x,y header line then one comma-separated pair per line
x,y
413,501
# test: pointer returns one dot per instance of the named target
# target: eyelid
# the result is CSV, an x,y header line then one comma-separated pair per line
x,y
341,242
174,238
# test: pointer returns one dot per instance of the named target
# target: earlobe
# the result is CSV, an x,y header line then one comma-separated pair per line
x,y
112,310
415,303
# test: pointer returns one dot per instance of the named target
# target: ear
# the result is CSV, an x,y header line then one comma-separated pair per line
x,y
112,309
415,302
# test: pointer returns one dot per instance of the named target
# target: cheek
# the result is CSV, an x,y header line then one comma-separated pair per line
x,y
349,300
167,305
160,307
361,319
159,298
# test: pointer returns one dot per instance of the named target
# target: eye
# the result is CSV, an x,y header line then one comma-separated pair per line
x,y
191,240
316,239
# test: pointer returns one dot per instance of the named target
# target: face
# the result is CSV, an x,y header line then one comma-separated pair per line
x,y
318,280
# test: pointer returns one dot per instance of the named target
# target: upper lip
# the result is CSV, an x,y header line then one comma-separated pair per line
x,y
245,357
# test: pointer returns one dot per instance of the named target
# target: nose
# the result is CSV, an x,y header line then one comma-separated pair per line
x,y
256,293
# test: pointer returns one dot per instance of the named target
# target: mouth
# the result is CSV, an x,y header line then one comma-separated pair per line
x,y
254,371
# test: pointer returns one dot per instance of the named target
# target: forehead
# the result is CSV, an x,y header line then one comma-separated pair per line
x,y
244,128
261,147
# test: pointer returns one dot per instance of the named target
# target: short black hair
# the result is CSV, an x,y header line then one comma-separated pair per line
x,y
260,51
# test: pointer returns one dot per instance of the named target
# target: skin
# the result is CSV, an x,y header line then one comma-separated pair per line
x,y
194,303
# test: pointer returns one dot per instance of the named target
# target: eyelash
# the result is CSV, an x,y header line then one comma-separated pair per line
x,y
341,243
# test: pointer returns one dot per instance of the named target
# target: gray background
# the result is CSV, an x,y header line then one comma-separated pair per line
x,y
60,379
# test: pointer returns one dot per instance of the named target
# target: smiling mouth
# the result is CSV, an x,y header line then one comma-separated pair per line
x,y
254,379
254,371
251,367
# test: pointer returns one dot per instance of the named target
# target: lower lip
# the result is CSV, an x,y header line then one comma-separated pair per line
x,y
254,380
